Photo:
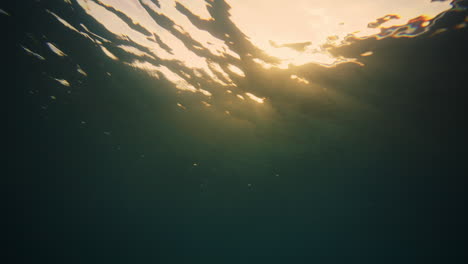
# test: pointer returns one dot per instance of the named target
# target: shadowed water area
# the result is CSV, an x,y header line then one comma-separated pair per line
x,y
223,131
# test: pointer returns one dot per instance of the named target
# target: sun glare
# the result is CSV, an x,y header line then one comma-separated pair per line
x,y
272,25
180,41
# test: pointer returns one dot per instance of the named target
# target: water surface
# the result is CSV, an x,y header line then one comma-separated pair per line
x,y
236,131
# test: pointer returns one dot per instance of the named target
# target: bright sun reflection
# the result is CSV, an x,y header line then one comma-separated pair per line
x,y
177,40
271,25
269,22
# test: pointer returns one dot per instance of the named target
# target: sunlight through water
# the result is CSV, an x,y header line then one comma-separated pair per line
x,y
295,32
210,46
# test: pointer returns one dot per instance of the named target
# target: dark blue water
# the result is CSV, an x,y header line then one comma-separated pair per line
x,y
107,162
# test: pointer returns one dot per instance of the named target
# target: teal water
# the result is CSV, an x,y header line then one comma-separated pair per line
x,y
360,162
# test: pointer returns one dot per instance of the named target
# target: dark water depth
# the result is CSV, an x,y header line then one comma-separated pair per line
x,y
363,164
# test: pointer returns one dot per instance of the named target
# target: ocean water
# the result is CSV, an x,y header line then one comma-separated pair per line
x,y
224,131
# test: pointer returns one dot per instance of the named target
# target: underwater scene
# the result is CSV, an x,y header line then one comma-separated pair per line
x,y
235,131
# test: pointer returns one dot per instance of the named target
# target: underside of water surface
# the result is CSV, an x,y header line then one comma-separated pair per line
x,y
235,131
